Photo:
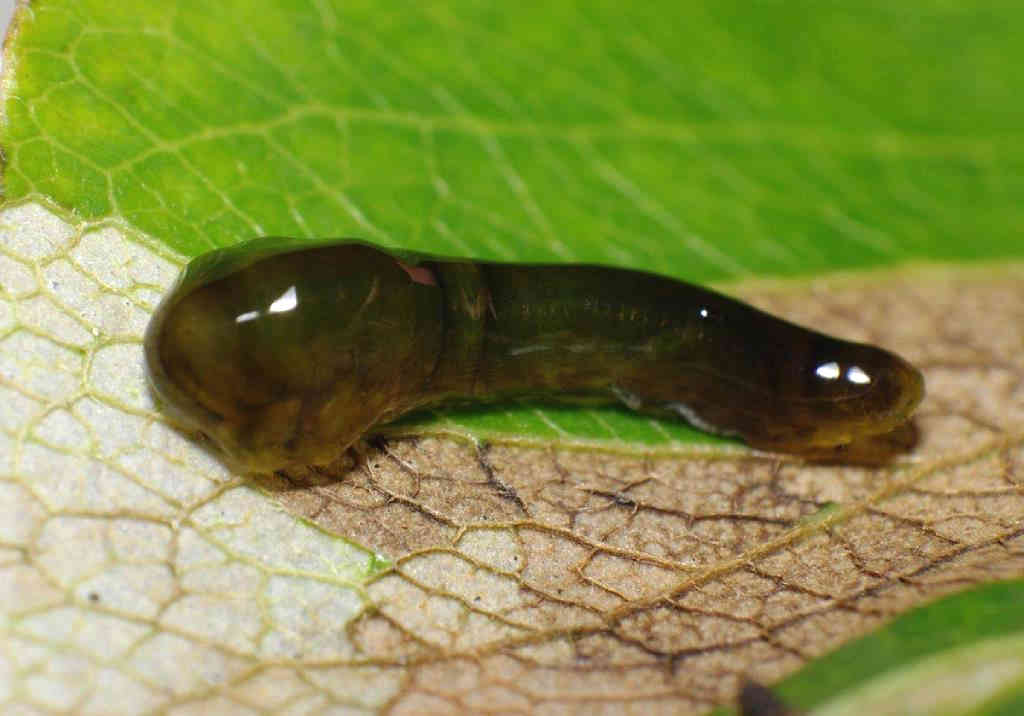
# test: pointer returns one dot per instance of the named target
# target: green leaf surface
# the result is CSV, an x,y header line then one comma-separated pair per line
x,y
707,141
963,654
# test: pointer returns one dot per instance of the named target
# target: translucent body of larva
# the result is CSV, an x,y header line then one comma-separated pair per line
x,y
285,352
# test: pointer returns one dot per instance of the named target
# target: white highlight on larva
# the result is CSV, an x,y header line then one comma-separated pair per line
x,y
690,415
857,375
832,371
828,371
285,302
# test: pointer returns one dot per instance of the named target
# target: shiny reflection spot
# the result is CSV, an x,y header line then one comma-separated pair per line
x,y
247,316
857,375
285,302
828,371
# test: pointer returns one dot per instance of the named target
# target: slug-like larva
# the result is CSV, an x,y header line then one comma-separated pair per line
x,y
285,352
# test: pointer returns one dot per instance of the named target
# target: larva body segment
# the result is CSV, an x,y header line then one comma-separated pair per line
x,y
286,352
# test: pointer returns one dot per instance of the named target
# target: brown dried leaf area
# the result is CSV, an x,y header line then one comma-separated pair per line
x,y
562,581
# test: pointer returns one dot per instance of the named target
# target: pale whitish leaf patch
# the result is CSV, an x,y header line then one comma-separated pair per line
x,y
123,538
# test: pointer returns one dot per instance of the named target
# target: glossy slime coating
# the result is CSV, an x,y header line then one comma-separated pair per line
x,y
286,352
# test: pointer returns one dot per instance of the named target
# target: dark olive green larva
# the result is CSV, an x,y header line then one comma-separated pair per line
x,y
286,352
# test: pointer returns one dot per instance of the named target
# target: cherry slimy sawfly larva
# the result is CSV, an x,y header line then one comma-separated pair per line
x,y
286,352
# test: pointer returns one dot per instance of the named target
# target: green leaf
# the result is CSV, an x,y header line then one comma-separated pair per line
x,y
708,141
963,654
946,629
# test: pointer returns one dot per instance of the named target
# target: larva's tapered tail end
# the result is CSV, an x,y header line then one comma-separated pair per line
x,y
913,392
891,435
897,390
878,392
864,416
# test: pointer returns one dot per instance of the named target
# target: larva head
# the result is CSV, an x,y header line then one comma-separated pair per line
x,y
285,357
